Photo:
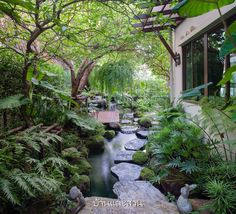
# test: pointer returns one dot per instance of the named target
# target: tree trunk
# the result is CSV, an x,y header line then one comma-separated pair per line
x,y
82,76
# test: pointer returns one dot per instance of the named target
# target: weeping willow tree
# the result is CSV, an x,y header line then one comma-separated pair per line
x,y
112,77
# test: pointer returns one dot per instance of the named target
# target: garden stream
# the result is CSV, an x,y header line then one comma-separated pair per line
x,y
102,180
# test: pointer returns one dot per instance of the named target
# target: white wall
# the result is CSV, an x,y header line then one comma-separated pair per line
x,y
188,30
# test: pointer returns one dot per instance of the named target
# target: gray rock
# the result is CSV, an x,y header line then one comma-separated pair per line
x,y
99,205
125,121
129,129
126,171
135,144
143,134
138,190
128,116
114,126
136,119
124,156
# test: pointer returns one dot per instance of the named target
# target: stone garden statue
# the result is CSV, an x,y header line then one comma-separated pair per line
x,y
183,203
76,195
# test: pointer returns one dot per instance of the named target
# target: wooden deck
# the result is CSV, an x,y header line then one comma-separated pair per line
x,y
107,116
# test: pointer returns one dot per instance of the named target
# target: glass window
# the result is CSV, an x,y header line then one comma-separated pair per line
x,y
215,63
194,64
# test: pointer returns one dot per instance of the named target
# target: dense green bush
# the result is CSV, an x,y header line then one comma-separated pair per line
x,y
179,145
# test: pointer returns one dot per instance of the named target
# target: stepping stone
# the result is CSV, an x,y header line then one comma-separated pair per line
x,y
137,190
129,129
125,121
135,144
124,156
136,119
126,171
100,205
128,115
155,123
143,134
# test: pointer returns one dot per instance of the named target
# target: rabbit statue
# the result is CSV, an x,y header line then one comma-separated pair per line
x,y
183,202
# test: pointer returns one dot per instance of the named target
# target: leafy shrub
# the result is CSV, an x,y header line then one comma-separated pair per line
x,y
179,145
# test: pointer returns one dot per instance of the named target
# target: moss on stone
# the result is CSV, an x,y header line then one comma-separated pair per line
x,y
109,134
84,151
71,154
145,122
95,144
83,167
81,181
147,174
140,157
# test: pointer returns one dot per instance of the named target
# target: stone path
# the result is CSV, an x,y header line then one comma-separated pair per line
x,y
124,156
134,196
129,129
126,171
135,144
137,190
143,134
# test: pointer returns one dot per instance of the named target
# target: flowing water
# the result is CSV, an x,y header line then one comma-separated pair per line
x,y
102,180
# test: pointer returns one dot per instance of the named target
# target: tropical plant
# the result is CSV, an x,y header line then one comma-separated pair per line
x,y
222,196
179,145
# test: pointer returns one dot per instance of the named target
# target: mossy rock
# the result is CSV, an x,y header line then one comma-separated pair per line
x,y
95,144
147,174
140,157
81,181
109,134
71,154
84,151
145,122
138,114
83,167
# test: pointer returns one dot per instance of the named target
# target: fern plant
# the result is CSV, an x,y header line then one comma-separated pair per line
x,y
23,175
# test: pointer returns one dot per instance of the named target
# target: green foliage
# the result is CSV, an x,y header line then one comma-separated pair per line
x,y
222,196
113,77
191,8
13,101
179,145
88,125
140,157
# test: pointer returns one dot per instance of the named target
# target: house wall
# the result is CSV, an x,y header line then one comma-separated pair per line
x,y
188,30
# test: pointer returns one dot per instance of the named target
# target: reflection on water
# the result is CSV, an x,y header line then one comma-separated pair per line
x,y
102,180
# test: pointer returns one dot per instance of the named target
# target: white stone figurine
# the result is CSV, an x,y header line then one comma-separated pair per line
x,y
183,203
